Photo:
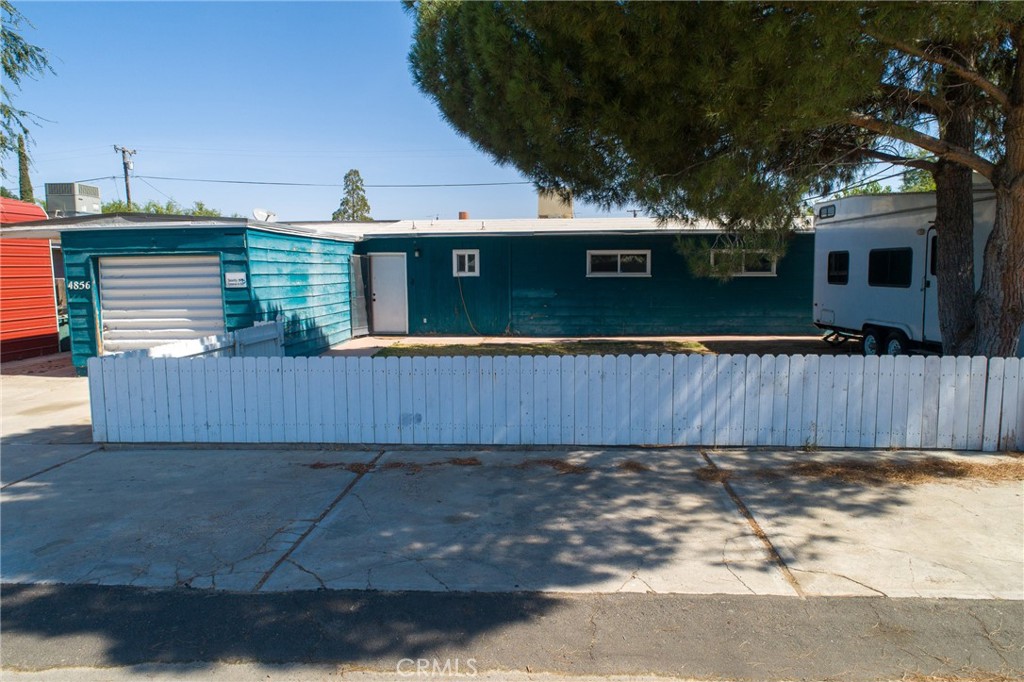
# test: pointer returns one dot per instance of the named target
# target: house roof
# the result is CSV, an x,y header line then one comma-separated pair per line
x,y
531,226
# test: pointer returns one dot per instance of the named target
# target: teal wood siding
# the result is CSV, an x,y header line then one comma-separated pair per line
x,y
552,295
83,249
434,293
304,281
538,286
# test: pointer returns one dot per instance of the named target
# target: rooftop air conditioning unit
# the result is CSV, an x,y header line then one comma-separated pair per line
x,y
69,199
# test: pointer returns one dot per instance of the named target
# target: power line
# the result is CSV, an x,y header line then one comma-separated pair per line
x,y
311,184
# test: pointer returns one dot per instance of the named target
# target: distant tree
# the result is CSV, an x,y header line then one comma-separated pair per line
x,y
20,59
171,207
7,194
354,207
873,187
917,180
24,181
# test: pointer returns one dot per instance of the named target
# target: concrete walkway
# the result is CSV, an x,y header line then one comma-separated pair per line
x,y
568,560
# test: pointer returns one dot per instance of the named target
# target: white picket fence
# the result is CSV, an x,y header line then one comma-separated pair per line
x,y
712,400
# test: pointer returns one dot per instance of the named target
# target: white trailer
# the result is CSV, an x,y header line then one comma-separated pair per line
x,y
874,268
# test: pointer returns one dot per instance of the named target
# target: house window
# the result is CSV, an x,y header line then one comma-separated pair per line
x,y
747,263
466,263
838,267
618,263
890,267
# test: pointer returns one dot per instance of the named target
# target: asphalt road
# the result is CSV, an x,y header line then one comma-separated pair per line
x,y
692,636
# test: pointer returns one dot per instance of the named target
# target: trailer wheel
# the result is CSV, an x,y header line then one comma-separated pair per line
x,y
872,342
896,344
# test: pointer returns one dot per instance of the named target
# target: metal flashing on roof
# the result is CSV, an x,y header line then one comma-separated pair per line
x,y
526,227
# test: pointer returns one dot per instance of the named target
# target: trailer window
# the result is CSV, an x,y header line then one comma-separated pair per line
x,y
838,267
890,267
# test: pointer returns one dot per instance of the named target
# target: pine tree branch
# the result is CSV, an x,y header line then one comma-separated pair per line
x,y
900,160
920,101
927,142
970,76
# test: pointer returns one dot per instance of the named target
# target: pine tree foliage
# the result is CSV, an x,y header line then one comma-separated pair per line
x,y
20,60
354,207
735,111
24,181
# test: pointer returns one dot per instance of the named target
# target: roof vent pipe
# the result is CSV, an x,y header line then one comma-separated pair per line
x,y
463,215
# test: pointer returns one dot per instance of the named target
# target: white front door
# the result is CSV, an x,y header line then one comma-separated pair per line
x,y
388,293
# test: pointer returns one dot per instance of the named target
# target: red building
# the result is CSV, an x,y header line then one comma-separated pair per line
x,y
28,315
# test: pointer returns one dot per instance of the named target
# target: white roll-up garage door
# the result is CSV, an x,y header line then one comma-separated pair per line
x,y
147,301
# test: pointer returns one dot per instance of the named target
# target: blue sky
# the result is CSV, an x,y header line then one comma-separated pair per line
x,y
264,91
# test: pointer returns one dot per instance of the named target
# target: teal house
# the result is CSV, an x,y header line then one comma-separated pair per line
x,y
572,277
137,281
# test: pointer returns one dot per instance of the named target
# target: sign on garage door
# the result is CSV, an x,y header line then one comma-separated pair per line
x,y
147,301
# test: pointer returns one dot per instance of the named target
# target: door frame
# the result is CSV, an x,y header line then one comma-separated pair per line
x,y
405,292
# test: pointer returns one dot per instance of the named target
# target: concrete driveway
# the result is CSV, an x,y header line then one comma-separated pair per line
x,y
499,520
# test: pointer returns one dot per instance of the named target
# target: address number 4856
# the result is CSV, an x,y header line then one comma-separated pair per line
x,y
79,285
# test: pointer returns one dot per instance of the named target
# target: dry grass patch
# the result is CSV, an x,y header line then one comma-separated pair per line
x,y
574,347
354,467
559,465
907,472
633,466
712,474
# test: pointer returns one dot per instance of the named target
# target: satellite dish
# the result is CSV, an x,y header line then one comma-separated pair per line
x,y
263,215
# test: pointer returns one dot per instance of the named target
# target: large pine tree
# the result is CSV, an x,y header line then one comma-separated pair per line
x,y
740,109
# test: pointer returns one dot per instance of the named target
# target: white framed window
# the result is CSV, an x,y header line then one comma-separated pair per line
x,y
748,263
618,263
465,262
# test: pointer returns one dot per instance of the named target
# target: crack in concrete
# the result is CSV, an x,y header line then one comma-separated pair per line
x,y
302,568
773,553
51,468
844,577
323,515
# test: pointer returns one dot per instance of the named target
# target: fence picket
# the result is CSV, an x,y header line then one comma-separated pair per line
x,y
840,399
419,418
473,376
961,403
826,395
869,403
766,396
1013,419
252,399
780,401
552,432
976,404
795,406
446,405
993,404
738,374
665,404
379,373
200,410
915,401
526,399
947,402
883,420
407,411
366,399
567,390
854,401
583,390
930,401
512,399
272,411
97,404
464,400
900,400
481,376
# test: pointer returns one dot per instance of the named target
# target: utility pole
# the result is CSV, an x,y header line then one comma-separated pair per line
x,y
126,160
